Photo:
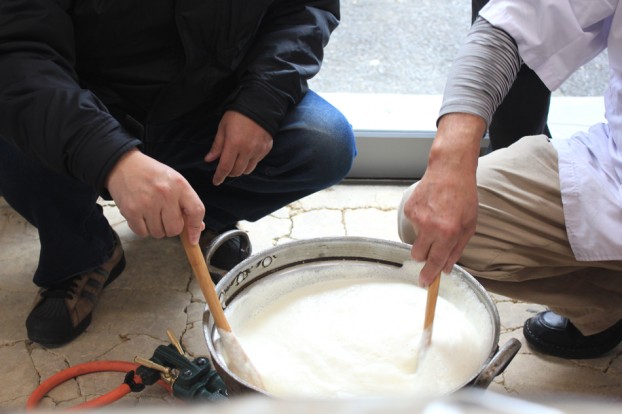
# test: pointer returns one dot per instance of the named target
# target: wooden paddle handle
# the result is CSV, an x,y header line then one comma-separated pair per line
x,y
201,272
430,306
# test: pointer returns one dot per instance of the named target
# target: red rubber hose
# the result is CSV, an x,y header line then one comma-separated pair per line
x,y
87,368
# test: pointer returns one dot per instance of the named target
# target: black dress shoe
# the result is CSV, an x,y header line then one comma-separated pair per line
x,y
555,335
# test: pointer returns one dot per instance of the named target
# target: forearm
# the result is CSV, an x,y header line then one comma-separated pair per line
x,y
482,73
456,145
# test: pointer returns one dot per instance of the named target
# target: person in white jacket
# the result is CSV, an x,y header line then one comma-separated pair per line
x,y
541,220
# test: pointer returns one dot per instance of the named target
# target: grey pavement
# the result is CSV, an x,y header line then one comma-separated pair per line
x,y
407,46
382,46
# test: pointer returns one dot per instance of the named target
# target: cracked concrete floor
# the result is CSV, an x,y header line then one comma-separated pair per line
x,y
157,291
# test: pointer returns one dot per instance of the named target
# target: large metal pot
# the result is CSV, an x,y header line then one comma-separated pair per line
x,y
382,255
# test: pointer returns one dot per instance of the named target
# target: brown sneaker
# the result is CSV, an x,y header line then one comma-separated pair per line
x,y
62,312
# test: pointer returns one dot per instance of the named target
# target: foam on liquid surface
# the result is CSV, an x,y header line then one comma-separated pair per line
x,y
357,336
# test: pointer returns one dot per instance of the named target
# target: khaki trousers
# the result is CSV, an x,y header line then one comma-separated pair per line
x,y
521,249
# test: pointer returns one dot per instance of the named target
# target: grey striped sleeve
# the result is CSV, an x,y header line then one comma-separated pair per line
x,y
482,73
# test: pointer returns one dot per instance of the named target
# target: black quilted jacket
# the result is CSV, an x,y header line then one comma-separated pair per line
x,y
72,71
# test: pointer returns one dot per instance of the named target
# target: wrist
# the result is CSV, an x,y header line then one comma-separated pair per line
x,y
118,167
456,145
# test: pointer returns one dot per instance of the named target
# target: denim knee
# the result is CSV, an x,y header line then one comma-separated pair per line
x,y
334,151
326,143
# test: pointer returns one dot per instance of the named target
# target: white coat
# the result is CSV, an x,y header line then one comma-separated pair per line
x,y
555,38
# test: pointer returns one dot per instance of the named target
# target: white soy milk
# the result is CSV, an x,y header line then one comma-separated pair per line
x,y
329,337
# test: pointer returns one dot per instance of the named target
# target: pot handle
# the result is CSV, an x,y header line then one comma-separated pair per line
x,y
497,364
245,243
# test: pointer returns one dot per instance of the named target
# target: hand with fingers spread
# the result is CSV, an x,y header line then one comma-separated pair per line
x,y
443,206
240,144
155,199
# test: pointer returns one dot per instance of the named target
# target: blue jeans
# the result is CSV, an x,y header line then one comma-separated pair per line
x,y
313,150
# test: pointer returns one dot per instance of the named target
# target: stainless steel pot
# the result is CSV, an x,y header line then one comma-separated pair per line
x,y
380,255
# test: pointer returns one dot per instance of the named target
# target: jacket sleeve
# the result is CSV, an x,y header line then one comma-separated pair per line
x,y
286,53
43,110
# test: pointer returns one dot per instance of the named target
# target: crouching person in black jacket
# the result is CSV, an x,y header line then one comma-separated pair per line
x,y
190,114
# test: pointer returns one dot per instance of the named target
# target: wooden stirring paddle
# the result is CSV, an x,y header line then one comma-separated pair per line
x,y
230,348
428,322
430,309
